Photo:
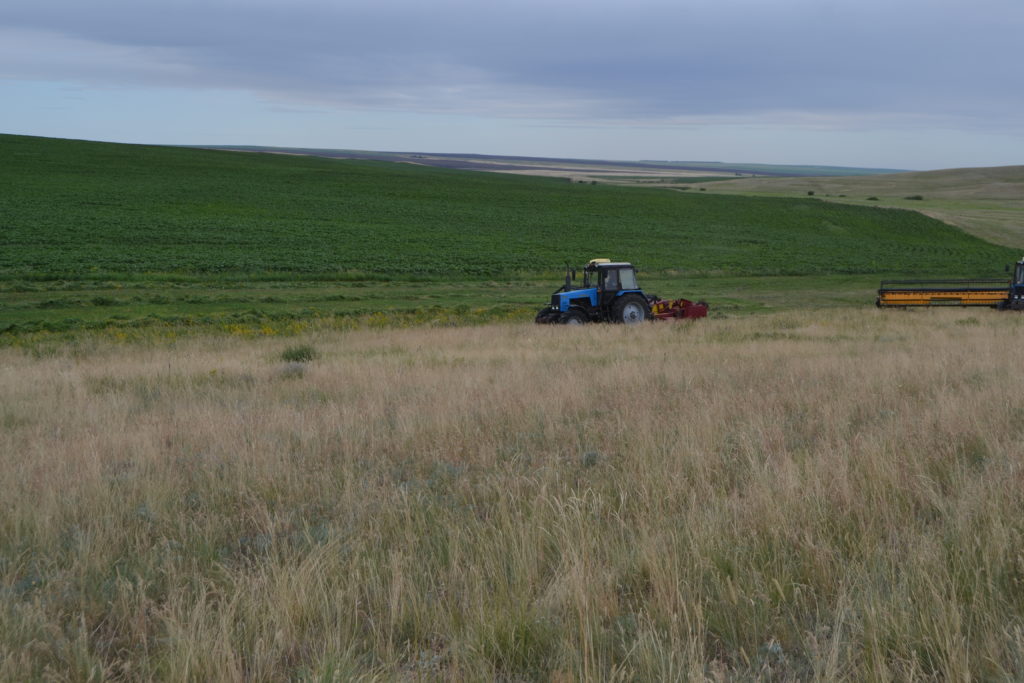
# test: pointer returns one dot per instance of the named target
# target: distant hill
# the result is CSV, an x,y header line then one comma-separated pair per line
x,y
73,208
1002,182
774,170
987,202
485,162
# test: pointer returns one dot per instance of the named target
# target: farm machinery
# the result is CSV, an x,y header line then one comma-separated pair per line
x,y
992,293
610,293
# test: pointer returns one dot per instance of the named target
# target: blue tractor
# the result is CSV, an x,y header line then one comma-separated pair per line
x,y
609,293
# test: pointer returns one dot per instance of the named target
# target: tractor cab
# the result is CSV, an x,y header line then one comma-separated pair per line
x,y
1016,296
609,278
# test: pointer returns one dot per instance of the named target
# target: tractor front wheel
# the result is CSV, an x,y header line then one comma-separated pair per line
x,y
630,309
573,317
547,316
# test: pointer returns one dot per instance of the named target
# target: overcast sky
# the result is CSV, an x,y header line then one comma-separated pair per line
x,y
916,84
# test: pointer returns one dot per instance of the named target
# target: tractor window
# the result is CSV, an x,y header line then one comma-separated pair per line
x,y
1018,278
611,279
628,278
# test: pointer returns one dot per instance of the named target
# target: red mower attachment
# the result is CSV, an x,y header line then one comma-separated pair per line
x,y
677,309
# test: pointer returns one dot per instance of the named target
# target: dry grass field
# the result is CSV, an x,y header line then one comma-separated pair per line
x,y
832,495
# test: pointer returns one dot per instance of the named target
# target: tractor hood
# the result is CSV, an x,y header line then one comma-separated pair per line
x,y
562,300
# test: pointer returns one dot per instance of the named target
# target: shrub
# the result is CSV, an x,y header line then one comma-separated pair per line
x,y
299,354
872,199
810,193
916,197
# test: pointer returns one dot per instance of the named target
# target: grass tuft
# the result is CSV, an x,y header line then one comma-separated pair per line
x,y
299,354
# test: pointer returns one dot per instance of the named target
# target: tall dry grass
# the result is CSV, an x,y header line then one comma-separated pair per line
x,y
806,496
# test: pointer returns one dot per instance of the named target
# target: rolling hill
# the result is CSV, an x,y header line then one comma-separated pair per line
x,y
71,208
987,202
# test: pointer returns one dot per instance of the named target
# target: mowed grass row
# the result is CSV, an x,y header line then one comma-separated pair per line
x,y
140,307
74,209
830,495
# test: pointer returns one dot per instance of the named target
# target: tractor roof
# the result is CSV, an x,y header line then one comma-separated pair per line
x,y
606,263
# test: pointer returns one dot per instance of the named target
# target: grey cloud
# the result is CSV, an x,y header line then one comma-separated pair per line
x,y
636,60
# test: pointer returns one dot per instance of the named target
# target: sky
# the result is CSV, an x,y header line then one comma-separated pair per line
x,y
908,84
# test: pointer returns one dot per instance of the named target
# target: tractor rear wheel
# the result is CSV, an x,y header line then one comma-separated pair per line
x,y
573,317
630,309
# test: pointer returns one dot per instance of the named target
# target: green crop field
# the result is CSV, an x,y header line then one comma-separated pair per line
x,y
94,234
